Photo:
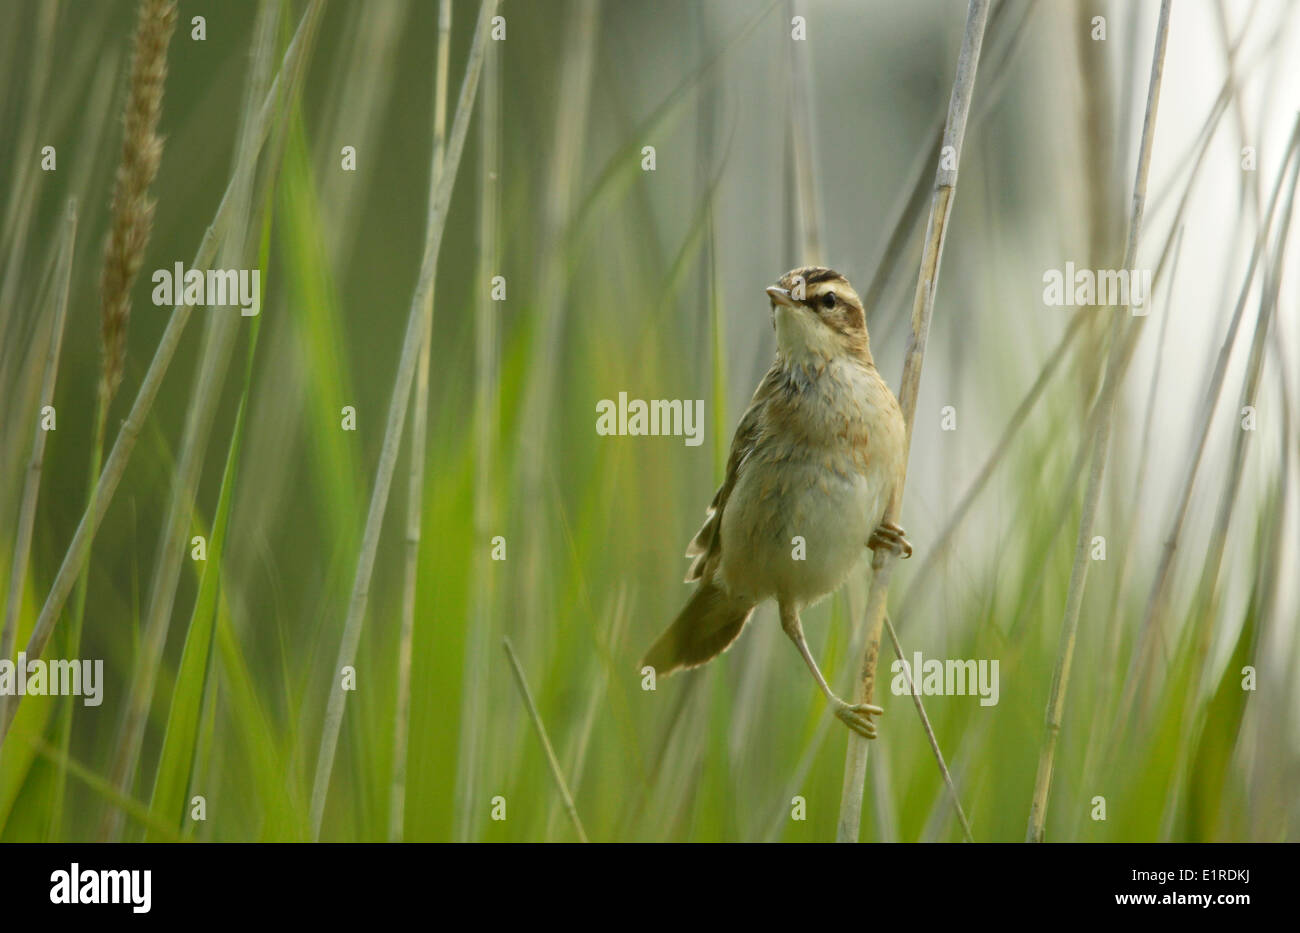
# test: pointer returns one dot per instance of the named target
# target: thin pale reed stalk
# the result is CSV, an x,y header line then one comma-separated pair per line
x,y
577,70
79,548
1103,187
945,185
1268,760
132,222
1102,184
415,486
470,742
190,721
218,344
96,108
551,760
701,246
27,180
1110,654
802,147
974,738
580,744
941,542
1157,596
1230,48
1003,40
929,732
1065,505
717,357
1110,389
1207,594
411,343
944,539
32,481
361,80
1129,339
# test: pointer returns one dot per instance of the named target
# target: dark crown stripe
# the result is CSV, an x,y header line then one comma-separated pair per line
x,y
816,274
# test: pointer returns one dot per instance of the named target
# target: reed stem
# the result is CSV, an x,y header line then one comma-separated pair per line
x,y
218,344
551,760
115,465
945,185
32,482
415,487
1101,443
411,343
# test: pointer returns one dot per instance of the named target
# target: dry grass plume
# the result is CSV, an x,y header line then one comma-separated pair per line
x,y
132,207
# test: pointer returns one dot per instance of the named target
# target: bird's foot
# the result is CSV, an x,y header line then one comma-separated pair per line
x,y
890,537
857,716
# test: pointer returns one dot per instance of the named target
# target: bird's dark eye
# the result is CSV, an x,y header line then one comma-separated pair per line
x,y
828,300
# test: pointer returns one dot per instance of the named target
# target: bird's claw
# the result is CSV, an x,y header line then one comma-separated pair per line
x,y
858,717
890,537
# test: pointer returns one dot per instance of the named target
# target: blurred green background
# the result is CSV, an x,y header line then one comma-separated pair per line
x,y
769,153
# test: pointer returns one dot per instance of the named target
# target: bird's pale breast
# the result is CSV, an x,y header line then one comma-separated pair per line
x,y
814,487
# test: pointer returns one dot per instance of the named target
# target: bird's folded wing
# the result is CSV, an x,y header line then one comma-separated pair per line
x,y
706,546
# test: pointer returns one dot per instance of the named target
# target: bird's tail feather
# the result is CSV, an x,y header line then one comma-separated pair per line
x,y
705,628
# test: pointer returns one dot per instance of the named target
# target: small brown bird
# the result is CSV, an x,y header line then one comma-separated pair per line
x,y
813,465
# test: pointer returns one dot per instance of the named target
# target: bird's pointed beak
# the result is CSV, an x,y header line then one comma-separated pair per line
x,y
780,296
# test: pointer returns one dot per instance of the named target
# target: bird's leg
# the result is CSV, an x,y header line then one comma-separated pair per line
x,y
856,716
890,537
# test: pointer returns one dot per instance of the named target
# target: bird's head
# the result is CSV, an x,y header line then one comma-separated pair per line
x,y
818,314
